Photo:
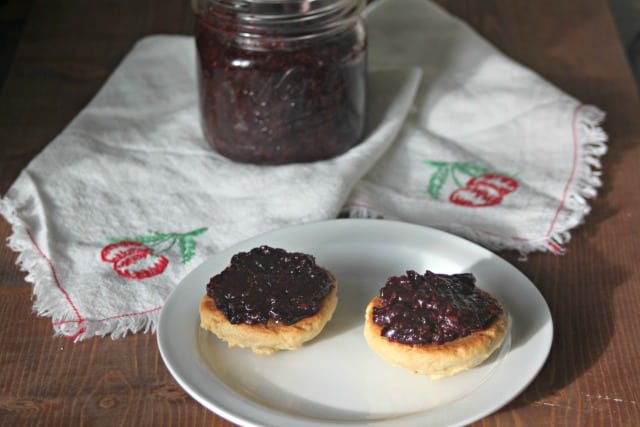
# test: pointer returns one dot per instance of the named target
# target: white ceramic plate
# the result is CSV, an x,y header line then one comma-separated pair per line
x,y
336,380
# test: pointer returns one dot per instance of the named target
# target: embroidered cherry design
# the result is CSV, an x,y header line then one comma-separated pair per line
x,y
503,184
134,260
478,195
116,251
483,188
141,257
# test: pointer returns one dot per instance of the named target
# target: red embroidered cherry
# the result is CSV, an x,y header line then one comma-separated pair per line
x,y
503,184
482,188
140,264
114,251
479,195
133,260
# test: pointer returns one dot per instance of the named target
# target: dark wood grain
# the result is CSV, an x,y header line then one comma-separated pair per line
x,y
68,49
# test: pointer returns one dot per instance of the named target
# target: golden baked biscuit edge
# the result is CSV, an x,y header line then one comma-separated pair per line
x,y
436,360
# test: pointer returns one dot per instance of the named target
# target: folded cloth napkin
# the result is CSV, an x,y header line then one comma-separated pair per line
x,y
129,197
491,151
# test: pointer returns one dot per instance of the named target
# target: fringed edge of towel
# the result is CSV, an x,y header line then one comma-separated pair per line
x,y
67,321
117,327
34,264
591,144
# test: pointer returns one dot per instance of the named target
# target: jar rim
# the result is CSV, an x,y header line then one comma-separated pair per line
x,y
278,8
260,19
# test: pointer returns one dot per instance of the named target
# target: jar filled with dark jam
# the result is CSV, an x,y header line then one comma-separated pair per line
x,y
281,81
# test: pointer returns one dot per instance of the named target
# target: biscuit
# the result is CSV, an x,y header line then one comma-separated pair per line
x,y
437,360
265,339
270,333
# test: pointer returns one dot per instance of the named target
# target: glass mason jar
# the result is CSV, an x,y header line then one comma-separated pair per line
x,y
281,81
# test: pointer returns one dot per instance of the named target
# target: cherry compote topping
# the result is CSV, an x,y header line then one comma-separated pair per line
x,y
433,308
270,283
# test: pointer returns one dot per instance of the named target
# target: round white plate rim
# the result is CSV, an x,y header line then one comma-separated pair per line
x,y
179,353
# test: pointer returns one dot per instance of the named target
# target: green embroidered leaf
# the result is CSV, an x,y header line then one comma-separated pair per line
x,y
437,181
187,244
187,247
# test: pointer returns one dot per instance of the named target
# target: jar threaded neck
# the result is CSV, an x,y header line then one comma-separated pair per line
x,y
281,20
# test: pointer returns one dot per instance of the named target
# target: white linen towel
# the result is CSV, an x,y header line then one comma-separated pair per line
x,y
129,197
491,151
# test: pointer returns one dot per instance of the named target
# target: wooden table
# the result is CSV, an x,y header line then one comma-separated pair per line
x,y
592,377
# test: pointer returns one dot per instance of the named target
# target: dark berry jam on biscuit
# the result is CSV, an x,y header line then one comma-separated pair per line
x,y
433,308
270,284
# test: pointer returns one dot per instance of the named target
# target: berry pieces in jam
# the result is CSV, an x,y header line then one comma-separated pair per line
x,y
275,94
270,284
418,309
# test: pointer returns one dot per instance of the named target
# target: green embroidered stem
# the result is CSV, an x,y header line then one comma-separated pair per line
x,y
164,242
454,175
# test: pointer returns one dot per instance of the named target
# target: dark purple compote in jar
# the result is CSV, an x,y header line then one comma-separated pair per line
x,y
433,308
270,284
281,81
